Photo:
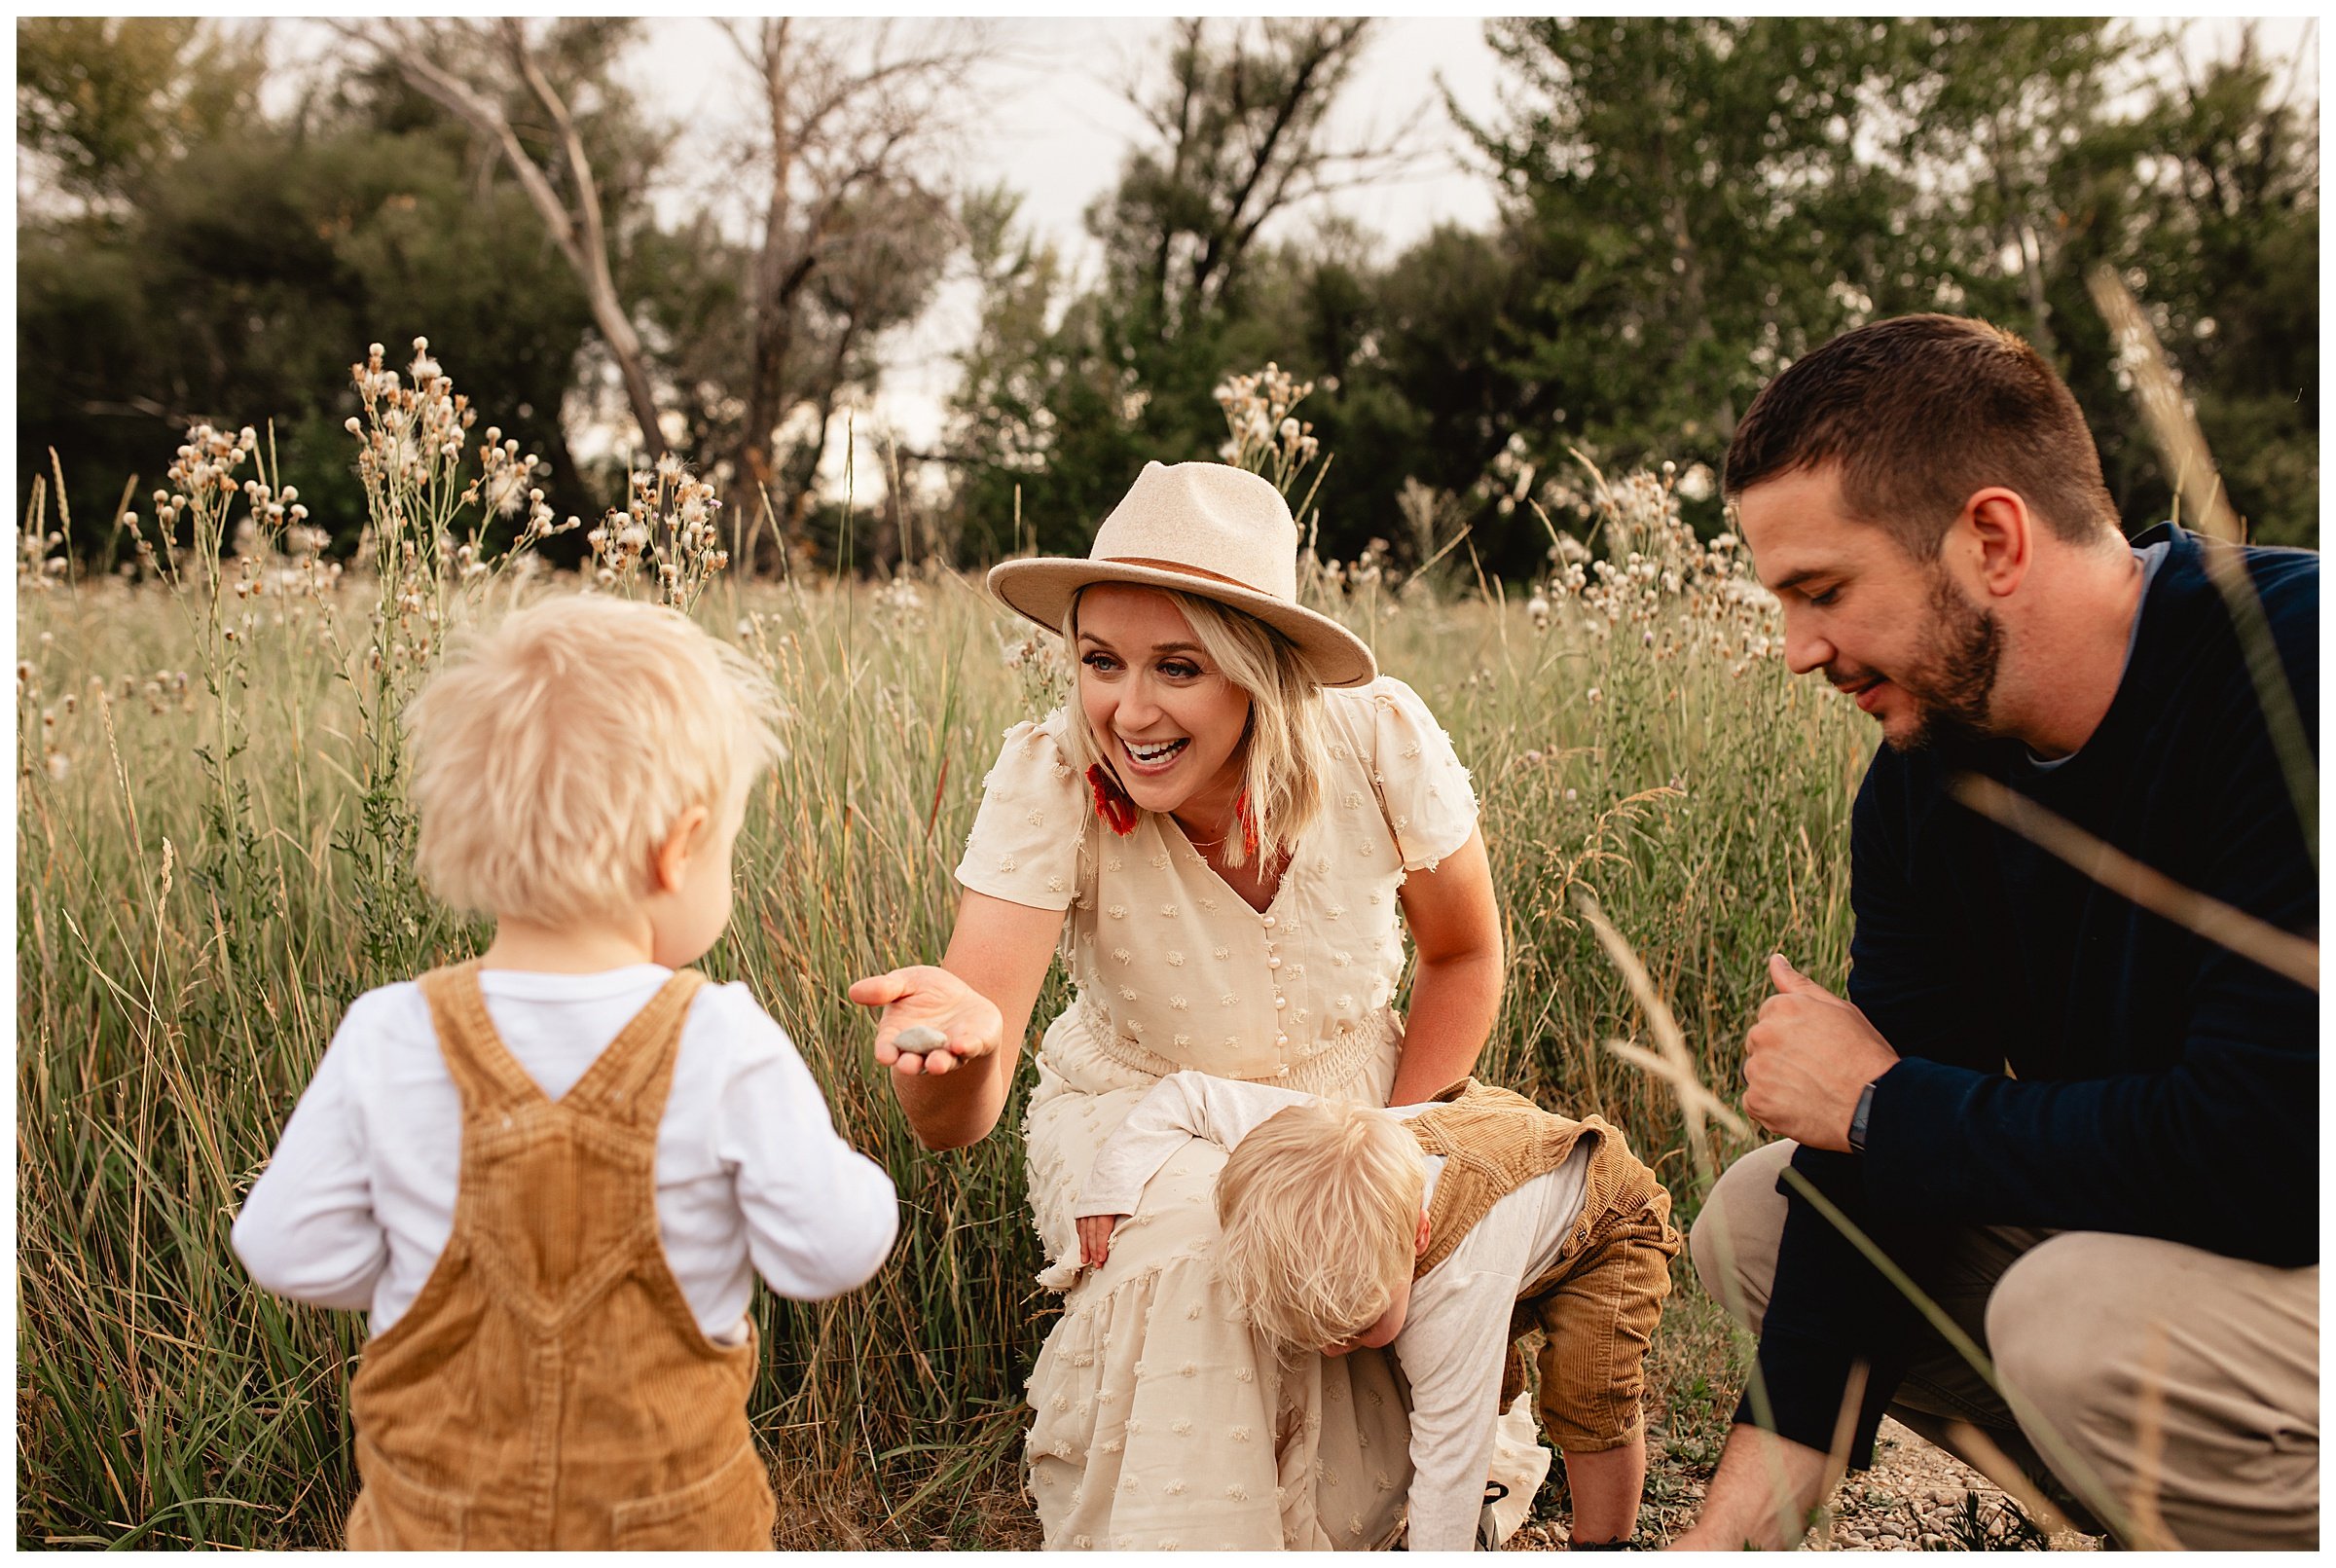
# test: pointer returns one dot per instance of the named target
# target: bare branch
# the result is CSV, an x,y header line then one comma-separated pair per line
x,y
846,115
579,233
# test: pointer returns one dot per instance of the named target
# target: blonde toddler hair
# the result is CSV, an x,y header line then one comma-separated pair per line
x,y
1285,752
553,752
1319,1208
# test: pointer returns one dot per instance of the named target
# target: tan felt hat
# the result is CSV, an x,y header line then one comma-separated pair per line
x,y
1196,527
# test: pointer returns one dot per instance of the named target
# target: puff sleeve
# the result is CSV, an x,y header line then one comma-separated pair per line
x,y
1024,847
1429,801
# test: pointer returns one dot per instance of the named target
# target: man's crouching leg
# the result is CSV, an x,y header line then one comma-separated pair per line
x,y
2186,1383
1734,1242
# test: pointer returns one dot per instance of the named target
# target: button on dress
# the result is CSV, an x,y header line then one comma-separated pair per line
x,y
1160,1421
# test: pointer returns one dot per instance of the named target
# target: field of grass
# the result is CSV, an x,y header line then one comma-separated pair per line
x,y
211,867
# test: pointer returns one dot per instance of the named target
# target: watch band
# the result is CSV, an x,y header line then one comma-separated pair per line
x,y
1858,1120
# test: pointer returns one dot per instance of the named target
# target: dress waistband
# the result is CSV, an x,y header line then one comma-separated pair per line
x,y
1319,1067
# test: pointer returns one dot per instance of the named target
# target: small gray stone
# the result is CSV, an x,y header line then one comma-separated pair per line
x,y
918,1038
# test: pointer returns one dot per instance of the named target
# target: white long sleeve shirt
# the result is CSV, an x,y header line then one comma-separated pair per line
x,y
360,1199
1455,1335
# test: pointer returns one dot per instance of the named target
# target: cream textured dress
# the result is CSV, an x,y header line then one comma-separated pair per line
x,y
1161,1422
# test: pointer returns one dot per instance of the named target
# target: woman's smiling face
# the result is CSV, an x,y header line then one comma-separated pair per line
x,y
1161,711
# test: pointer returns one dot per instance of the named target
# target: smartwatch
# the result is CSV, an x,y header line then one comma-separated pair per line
x,y
1859,1117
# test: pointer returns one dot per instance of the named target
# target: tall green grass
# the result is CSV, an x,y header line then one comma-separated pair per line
x,y
197,907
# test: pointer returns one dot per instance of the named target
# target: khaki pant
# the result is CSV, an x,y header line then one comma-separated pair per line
x,y
2094,1329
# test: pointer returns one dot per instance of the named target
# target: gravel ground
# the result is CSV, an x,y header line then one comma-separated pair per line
x,y
1916,1497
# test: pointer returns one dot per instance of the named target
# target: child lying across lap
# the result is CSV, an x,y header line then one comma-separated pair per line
x,y
551,1173
1443,1230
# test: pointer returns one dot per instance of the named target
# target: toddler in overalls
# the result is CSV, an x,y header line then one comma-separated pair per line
x,y
1443,1231
552,1172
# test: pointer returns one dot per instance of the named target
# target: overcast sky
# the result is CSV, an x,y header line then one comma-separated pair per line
x,y
1060,125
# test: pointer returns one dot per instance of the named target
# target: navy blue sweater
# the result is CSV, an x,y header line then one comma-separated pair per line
x,y
2158,1084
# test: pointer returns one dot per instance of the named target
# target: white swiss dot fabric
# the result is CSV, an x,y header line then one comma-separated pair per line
x,y
1160,1421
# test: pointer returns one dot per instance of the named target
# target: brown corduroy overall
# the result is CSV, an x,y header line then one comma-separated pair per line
x,y
1598,1304
550,1386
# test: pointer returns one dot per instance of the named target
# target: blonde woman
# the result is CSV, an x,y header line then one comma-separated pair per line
x,y
1218,832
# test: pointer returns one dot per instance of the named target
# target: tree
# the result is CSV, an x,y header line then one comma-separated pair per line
x,y
1693,197
235,274
2225,242
852,231
1065,398
474,69
1240,136
107,100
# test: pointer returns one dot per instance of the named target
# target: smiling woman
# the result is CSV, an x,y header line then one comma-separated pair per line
x,y
1212,717
1221,833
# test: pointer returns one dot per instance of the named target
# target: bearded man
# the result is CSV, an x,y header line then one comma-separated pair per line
x,y
2086,1133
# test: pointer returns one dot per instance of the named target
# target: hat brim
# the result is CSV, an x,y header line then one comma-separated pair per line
x,y
1041,589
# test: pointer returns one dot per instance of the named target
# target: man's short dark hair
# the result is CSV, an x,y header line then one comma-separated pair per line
x,y
1919,412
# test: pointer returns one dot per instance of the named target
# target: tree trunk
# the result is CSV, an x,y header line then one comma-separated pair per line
x,y
582,240
767,305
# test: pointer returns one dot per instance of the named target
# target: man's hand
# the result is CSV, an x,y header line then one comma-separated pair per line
x,y
1095,1238
1760,1497
1806,1059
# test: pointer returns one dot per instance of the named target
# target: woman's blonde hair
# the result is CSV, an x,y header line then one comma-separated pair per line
x,y
1285,749
1320,1212
553,752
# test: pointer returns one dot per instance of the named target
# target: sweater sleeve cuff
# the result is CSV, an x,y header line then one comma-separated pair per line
x,y
1807,1382
1915,1156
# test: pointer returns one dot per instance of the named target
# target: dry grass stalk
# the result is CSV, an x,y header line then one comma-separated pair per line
x,y
2149,1445
2281,951
2071,1465
2159,395
1837,1452
2199,488
1675,1067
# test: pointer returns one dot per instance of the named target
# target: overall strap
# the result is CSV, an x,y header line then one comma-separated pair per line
x,y
628,1083
482,1067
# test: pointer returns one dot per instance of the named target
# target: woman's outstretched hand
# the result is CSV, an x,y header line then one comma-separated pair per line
x,y
932,1020
1095,1238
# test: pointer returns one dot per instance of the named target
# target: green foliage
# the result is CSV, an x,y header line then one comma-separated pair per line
x,y
238,257
246,275
1654,160
1086,390
2227,246
109,99
1688,205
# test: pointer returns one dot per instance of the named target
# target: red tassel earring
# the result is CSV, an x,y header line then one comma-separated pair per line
x,y
1249,824
1112,803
